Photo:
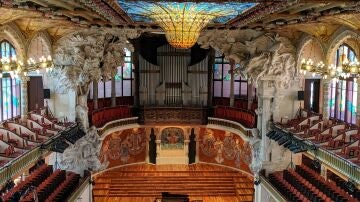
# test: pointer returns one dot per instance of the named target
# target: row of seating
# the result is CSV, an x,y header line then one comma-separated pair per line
x,y
65,188
304,184
34,179
106,102
47,186
286,189
105,115
326,186
343,139
238,103
245,117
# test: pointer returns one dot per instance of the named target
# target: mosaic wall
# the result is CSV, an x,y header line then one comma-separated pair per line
x,y
172,138
220,147
124,147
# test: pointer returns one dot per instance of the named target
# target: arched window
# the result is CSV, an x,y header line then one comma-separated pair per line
x,y
343,94
9,87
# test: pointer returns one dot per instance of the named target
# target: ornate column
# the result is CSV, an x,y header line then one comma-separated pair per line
x,y
24,96
279,95
113,92
95,94
232,83
326,85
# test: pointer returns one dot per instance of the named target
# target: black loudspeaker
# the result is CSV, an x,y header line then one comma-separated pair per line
x,y
301,95
46,93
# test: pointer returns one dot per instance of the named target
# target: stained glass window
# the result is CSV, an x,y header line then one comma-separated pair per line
x,y
222,79
343,94
9,87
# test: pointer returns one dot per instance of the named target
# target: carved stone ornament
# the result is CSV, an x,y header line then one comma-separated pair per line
x,y
88,56
257,53
83,155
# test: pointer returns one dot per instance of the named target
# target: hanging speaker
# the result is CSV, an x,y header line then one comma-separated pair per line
x,y
301,95
46,93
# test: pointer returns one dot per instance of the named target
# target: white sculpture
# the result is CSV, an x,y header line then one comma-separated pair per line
x,y
86,56
259,54
83,155
79,59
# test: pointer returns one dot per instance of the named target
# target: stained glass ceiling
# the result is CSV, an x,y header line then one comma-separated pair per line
x,y
137,9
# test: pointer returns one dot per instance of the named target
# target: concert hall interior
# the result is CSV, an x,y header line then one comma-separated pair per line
x,y
179,101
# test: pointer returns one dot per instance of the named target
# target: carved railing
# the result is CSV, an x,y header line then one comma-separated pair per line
x,y
245,117
105,115
271,190
330,159
118,123
230,125
173,115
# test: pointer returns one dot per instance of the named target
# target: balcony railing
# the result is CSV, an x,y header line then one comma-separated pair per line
x,y
232,125
118,123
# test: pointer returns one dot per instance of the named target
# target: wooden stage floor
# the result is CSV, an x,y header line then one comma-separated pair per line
x,y
144,183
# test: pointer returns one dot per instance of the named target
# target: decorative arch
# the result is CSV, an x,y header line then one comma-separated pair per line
x,y
46,39
304,41
12,33
338,38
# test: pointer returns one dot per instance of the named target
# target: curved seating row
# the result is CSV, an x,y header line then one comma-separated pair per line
x,y
245,117
102,116
311,186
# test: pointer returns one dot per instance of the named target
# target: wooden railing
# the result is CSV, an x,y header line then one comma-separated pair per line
x,y
245,117
108,114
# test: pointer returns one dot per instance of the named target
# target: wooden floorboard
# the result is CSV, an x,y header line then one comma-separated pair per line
x,y
144,183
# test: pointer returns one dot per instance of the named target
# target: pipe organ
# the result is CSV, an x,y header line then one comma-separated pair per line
x,y
173,82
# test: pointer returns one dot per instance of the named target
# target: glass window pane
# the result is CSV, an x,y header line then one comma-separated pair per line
x,y
127,87
237,89
217,89
226,88
101,89
127,70
244,89
108,89
218,71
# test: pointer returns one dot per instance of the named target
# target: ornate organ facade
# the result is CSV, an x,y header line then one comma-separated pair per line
x,y
174,80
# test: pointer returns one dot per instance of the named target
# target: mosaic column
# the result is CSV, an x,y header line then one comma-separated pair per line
x,y
113,92
325,111
24,96
95,94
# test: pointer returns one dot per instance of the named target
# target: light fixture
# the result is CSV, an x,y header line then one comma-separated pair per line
x,y
345,70
182,22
